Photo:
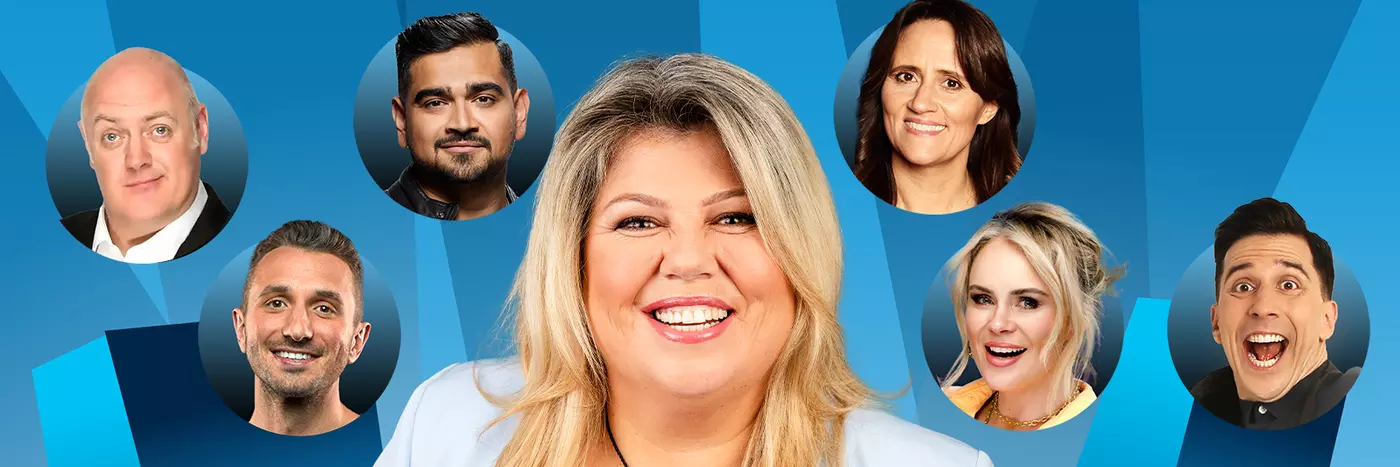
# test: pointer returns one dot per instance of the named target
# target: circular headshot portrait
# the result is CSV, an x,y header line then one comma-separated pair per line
x,y
1024,330
454,117
1267,329
934,111
146,161
299,335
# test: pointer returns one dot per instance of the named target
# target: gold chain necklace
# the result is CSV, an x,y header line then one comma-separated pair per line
x,y
1030,423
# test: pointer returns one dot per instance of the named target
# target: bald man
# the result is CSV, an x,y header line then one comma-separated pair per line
x,y
145,132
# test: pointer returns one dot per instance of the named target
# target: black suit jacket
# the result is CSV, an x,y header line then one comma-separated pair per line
x,y
211,220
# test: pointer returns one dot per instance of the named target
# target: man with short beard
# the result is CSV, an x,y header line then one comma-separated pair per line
x,y
459,112
300,323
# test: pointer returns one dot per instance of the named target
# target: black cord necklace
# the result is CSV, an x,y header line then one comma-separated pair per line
x,y
607,424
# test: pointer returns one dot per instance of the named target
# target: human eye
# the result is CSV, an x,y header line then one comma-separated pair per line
x,y
636,223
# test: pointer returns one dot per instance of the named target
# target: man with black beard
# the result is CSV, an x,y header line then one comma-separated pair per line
x,y
459,112
300,323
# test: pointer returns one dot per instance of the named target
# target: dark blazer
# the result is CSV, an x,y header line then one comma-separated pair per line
x,y
211,220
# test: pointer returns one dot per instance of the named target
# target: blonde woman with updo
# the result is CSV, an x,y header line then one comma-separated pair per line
x,y
1027,292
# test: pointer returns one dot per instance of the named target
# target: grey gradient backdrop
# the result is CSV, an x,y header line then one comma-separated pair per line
x,y
227,368
1193,348
848,97
377,138
73,184
941,342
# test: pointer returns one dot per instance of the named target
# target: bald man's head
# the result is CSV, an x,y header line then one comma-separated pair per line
x,y
145,132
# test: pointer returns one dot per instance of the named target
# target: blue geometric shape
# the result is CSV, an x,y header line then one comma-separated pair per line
x,y
1144,395
1341,177
67,58
149,276
81,409
808,37
1224,98
176,418
439,326
483,255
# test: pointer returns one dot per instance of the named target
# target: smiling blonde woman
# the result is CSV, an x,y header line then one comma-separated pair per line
x,y
677,301
1027,292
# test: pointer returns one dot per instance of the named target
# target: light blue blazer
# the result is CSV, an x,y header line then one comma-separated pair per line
x,y
443,422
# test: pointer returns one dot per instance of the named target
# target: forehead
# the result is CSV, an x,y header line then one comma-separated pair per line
x,y
661,162
931,41
1002,265
302,270
1265,250
132,91
480,62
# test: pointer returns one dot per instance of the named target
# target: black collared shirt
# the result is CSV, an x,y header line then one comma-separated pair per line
x,y
408,192
1312,397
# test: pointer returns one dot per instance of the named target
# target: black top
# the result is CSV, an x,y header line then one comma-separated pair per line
x,y
83,225
1312,397
408,192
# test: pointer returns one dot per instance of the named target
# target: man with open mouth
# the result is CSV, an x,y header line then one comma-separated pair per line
x,y
1273,315
301,322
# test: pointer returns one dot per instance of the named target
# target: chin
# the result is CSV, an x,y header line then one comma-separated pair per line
x,y
691,380
923,156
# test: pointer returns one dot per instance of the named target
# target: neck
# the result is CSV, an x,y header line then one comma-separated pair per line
x,y
475,199
299,416
127,233
933,189
1029,403
658,429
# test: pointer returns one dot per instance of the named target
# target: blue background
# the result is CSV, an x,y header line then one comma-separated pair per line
x,y
1154,120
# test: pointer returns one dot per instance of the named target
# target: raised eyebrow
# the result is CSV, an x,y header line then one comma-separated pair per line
x,y
1237,268
1293,265
159,115
101,117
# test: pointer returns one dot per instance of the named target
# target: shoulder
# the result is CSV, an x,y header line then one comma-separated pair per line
x,y
448,419
876,438
1215,382
82,225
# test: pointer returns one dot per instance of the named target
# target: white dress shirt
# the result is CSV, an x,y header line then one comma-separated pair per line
x,y
443,422
160,247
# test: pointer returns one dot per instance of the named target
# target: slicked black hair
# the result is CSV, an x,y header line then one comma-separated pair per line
x,y
1268,216
438,34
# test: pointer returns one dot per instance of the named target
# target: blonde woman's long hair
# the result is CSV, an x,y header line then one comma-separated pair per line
x,y
1068,257
811,387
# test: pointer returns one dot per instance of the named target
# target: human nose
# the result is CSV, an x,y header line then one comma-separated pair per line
x,y
1267,304
463,120
689,256
138,155
297,327
1001,322
925,99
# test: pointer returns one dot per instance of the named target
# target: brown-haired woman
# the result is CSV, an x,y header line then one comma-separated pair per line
x,y
938,110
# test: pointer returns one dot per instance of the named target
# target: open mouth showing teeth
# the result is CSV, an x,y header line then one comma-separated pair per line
x,y
1005,352
1265,349
690,318
923,127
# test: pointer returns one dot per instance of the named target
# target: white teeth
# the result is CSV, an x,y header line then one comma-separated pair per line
x,y
922,127
1005,349
1262,363
293,355
690,316
1266,338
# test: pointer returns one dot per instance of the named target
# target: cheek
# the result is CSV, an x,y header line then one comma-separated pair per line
x,y
964,109
615,272
759,279
1039,326
974,321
